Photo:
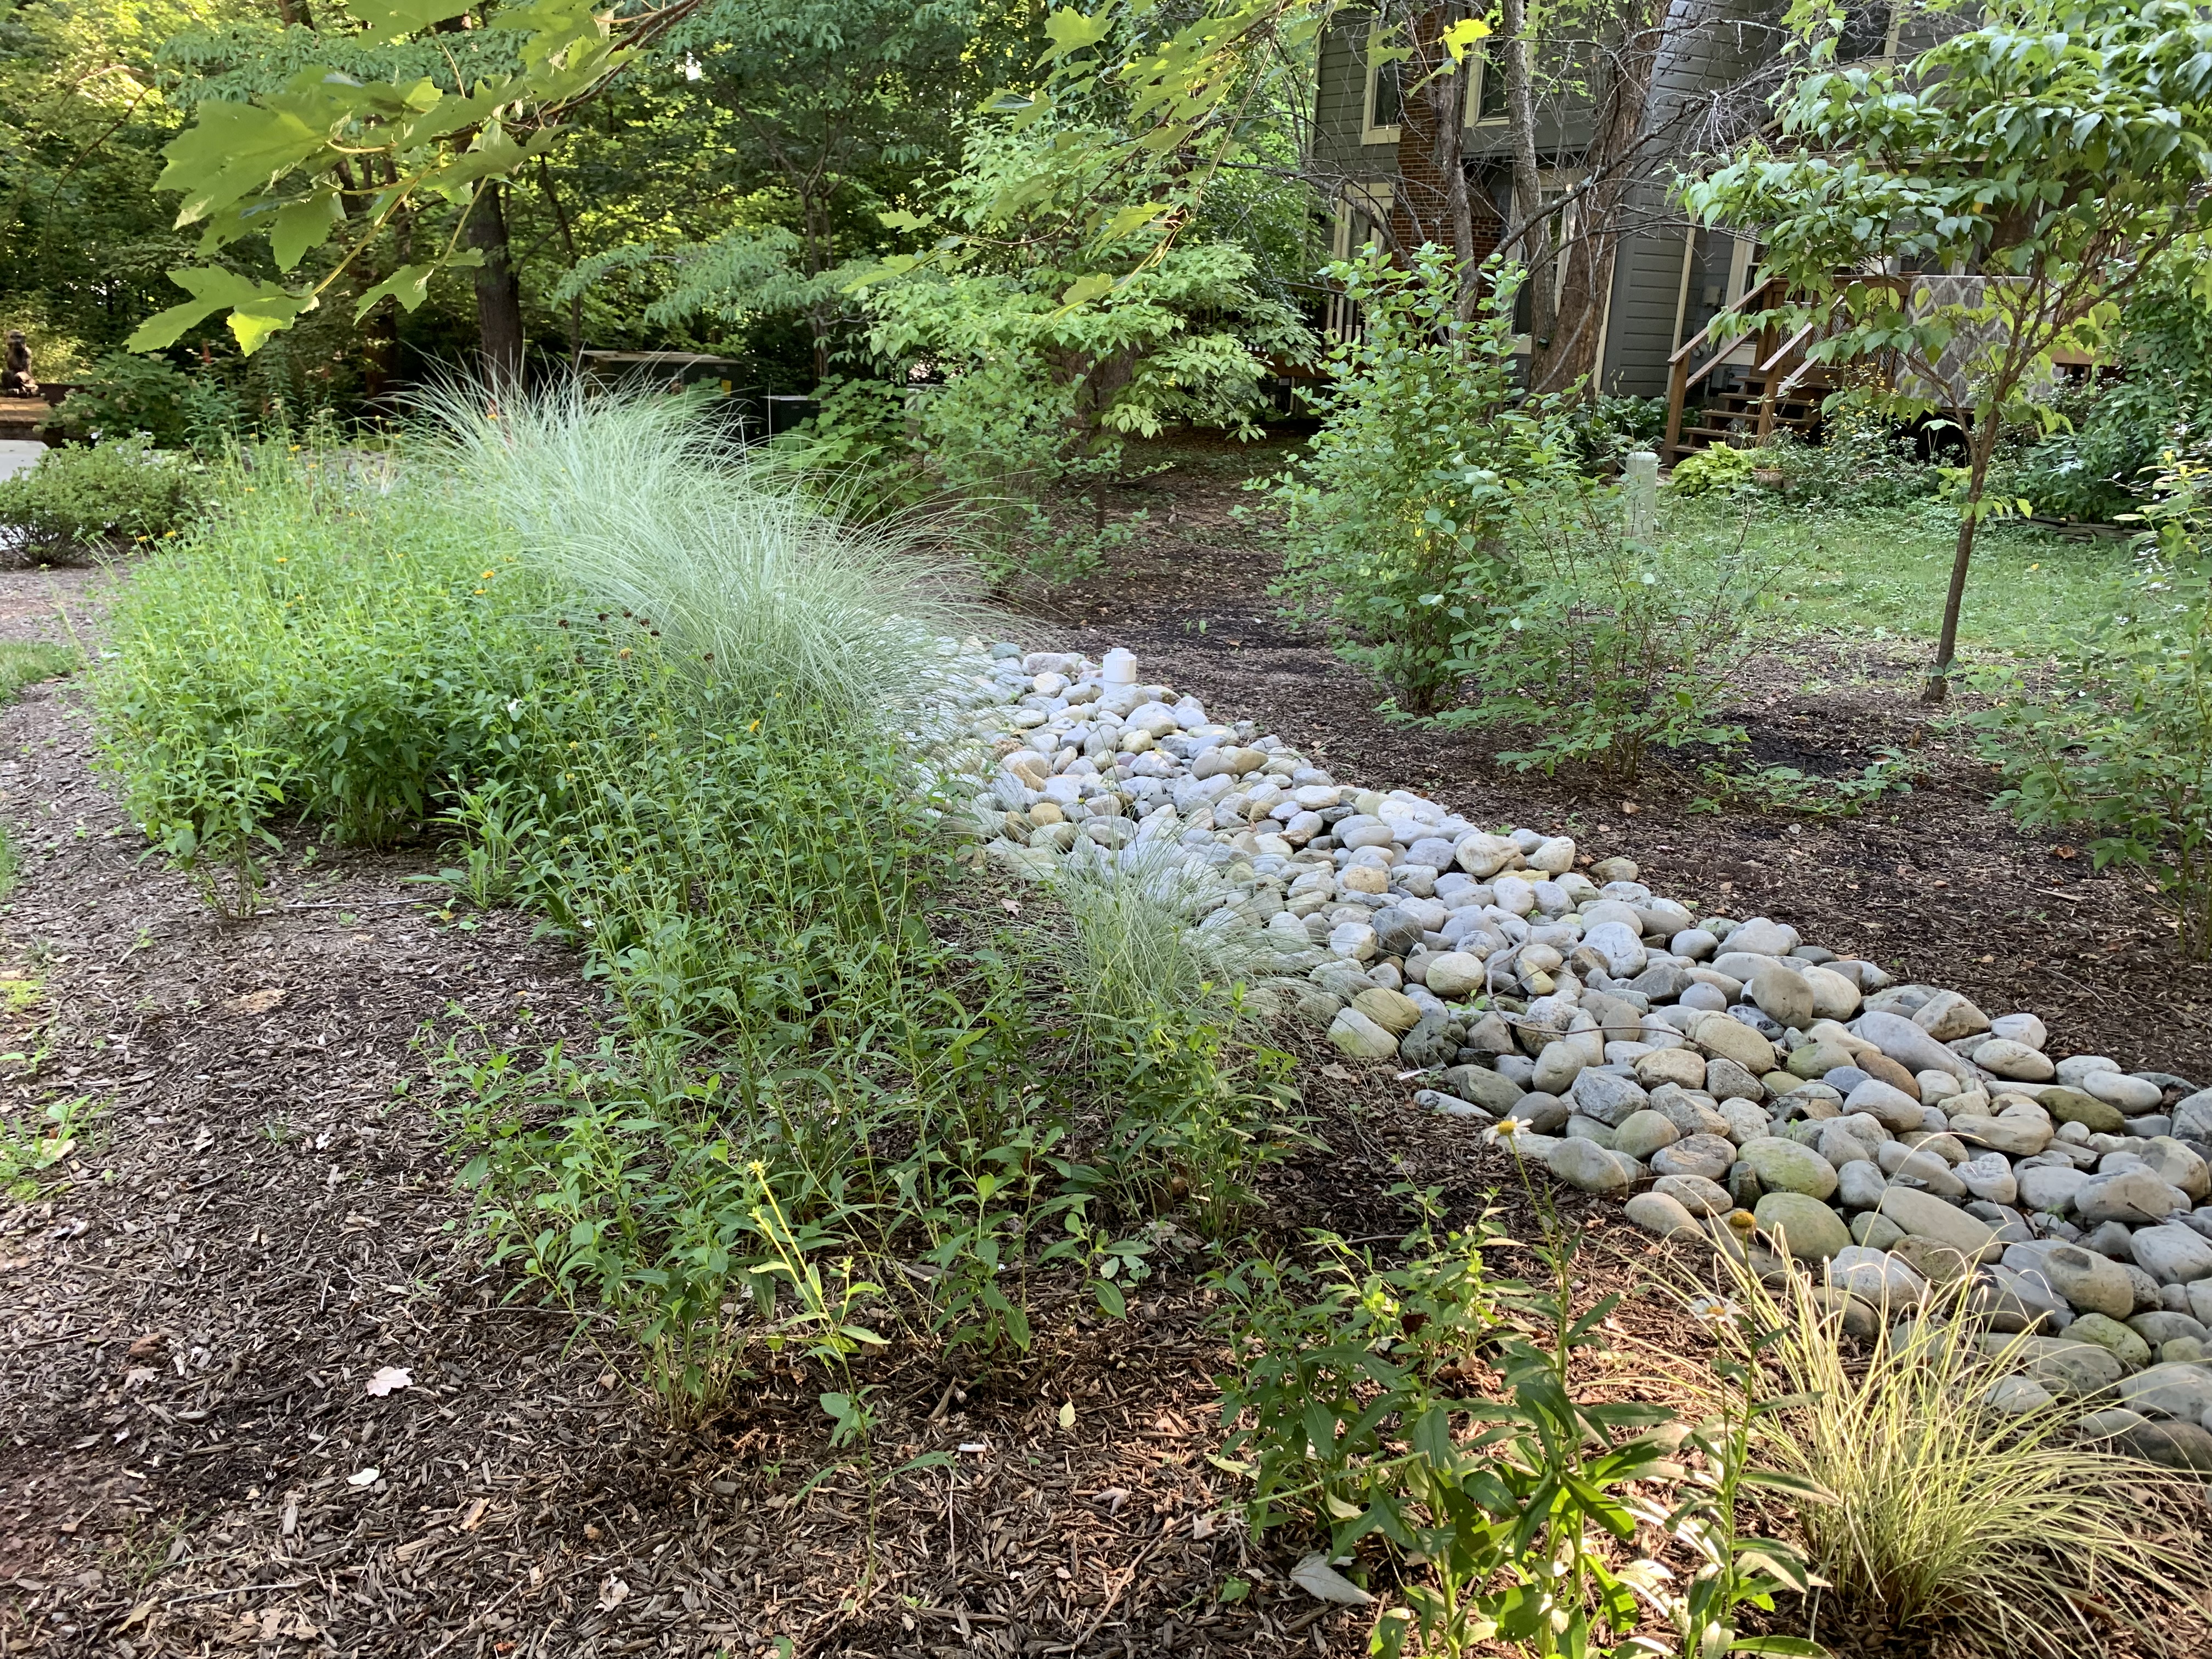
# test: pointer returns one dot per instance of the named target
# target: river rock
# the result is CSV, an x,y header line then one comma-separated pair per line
x,y
2099,1117
1760,936
2070,1369
1682,1066
2134,1197
1704,1156
2049,1187
1360,1037
2177,1166
1454,975
1813,1231
1643,1132
1909,1046
1925,1216
1892,1107
2173,1445
1557,1067
1875,1275
2182,1391
1695,1194
2018,1396
1782,994
1990,1177
1947,1017
1727,1038
1660,1213
1860,1184
1607,1096
2013,1060
1785,1166
2089,1281
1394,1010
2129,1094
2172,1254
1586,1165
2115,1339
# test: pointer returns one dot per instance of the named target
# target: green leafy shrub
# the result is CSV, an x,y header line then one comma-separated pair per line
x,y
1862,460
81,500
127,394
1400,517
2117,744
328,646
1606,428
1608,653
1437,1411
1717,467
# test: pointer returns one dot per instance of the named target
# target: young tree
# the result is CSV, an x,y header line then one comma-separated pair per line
x,y
2051,153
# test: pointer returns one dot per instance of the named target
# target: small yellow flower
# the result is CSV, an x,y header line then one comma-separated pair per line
x,y
489,575
282,558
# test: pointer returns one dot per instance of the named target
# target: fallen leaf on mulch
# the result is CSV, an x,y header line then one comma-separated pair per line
x,y
612,1594
151,1343
363,1477
258,1002
389,1378
1317,1578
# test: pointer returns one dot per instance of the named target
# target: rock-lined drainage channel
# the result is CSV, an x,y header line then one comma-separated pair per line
x,y
1724,1074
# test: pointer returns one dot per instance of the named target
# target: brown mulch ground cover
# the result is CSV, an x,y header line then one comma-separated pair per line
x,y
1935,884
262,1216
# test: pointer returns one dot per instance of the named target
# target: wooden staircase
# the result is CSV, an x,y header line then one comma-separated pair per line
x,y
1776,386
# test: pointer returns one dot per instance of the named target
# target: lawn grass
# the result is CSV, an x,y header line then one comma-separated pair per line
x,y
26,662
1883,572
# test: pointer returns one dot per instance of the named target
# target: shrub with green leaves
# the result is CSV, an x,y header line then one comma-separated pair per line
x,y
1717,467
1400,517
83,500
127,392
2115,746
330,646
1609,652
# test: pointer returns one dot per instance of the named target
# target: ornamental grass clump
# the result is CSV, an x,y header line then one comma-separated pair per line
x,y
640,506
1933,1506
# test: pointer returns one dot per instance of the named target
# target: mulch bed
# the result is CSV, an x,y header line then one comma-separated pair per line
x,y
265,1216
1935,884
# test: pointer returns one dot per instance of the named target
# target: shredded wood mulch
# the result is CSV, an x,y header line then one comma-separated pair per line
x,y
261,1217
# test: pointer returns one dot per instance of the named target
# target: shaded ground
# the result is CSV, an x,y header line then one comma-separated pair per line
x,y
1935,884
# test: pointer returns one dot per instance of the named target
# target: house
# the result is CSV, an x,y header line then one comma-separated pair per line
x,y
1696,76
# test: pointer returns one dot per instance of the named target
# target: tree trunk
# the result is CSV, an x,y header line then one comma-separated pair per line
x,y
498,296
1610,166
1430,203
1980,449
1532,240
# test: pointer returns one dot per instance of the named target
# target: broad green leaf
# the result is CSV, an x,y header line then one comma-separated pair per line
x,y
409,285
1071,31
1134,217
388,20
233,151
1083,289
1461,35
1796,1647
302,224
257,309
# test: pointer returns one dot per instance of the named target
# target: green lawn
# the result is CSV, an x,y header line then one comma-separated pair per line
x,y
22,663
1884,572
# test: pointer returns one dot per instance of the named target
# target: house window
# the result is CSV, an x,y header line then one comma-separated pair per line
x,y
1869,32
1385,100
1486,86
1361,213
